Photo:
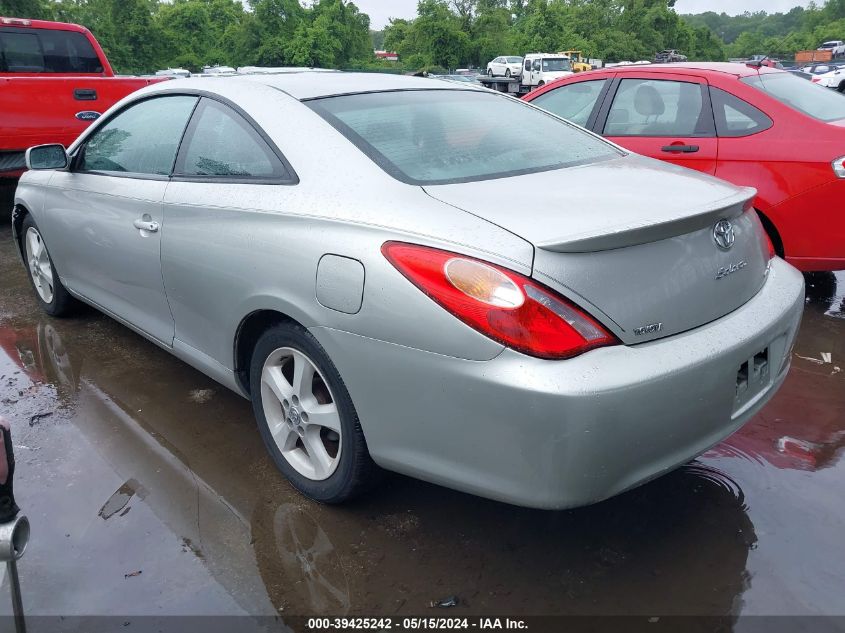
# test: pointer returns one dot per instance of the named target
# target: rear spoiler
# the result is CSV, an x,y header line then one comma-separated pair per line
x,y
643,233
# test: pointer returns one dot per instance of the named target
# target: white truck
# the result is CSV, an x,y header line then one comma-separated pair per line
x,y
538,69
836,48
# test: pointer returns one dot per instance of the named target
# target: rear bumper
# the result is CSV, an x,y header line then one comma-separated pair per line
x,y
557,434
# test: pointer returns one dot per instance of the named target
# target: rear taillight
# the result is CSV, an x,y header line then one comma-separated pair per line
x,y
501,304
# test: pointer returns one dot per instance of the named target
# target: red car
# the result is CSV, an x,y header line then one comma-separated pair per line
x,y
759,127
54,81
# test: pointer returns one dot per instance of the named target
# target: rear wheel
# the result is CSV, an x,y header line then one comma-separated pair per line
x,y
54,298
306,417
841,87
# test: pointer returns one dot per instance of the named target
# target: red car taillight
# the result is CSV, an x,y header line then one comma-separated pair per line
x,y
501,304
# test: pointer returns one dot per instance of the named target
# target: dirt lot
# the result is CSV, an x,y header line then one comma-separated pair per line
x,y
150,493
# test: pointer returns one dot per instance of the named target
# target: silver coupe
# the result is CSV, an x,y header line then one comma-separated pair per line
x,y
395,279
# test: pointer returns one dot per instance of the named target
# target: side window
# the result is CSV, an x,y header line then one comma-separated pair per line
x,y
221,143
574,102
47,51
68,52
536,65
20,53
528,65
140,140
735,117
649,107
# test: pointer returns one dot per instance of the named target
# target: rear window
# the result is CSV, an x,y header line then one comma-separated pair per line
x,y
514,60
46,51
806,97
447,136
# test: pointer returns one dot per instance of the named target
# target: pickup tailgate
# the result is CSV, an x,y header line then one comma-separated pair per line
x,y
38,110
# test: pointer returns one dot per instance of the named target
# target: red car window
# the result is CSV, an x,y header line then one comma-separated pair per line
x,y
657,108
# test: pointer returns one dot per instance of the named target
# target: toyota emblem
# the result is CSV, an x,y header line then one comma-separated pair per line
x,y
723,234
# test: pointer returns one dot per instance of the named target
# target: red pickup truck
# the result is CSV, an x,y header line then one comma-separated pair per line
x,y
54,81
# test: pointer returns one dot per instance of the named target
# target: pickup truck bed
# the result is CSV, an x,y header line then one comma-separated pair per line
x,y
54,81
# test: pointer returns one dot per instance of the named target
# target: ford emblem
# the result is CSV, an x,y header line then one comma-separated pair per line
x,y
88,115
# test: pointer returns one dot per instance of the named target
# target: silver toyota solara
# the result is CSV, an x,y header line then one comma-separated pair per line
x,y
398,280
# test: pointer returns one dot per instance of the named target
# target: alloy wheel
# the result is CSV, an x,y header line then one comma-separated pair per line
x,y
301,413
38,261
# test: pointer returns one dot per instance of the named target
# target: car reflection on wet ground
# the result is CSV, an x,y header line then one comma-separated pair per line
x,y
149,492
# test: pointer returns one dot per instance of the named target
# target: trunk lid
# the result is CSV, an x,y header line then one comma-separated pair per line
x,y
630,240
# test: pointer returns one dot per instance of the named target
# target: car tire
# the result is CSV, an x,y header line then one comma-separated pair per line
x,y
50,292
841,87
330,464
489,72
541,84
508,73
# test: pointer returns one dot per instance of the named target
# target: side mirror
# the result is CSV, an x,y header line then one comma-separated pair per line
x,y
47,157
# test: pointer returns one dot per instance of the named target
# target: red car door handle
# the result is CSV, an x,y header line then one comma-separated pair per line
x,y
684,149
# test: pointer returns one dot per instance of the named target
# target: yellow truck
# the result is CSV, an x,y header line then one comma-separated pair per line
x,y
579,62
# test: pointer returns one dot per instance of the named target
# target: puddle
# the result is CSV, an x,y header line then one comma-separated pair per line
x,y
130,475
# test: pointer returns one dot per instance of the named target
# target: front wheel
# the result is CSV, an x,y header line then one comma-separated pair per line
x,y
489,72
508,73
541,84
306,416
841,87
51,294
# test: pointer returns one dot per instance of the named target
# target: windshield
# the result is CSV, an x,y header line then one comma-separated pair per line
x,y
808,98
445,136
514,60
556,65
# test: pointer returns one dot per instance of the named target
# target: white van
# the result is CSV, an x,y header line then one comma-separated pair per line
x,y
542,68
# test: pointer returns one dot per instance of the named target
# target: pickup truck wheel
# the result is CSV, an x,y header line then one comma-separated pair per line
x,y
54,298
306,416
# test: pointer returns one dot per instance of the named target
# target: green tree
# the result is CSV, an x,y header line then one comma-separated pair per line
x,y
33,9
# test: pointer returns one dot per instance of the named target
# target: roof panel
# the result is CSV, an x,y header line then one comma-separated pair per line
x,y
309,85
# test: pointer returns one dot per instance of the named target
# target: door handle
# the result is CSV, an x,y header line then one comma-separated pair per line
x,y
683,149
146,225
85,94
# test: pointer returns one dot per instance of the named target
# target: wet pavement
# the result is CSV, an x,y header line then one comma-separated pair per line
x,y
149,492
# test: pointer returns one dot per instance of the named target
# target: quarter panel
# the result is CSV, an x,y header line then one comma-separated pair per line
x,y
261,252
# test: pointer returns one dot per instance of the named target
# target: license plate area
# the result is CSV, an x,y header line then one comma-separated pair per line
x,y
753,377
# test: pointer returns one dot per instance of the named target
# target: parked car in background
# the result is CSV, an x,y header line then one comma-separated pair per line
x,y
820,69
836,47
834,79
669,56
464,79
342,291
505,67
801,74
54,81
752,126
173,72
218,70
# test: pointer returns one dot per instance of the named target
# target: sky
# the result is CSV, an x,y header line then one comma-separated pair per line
x,y
380,11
